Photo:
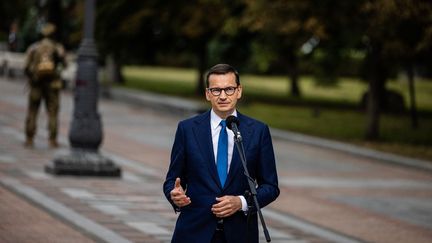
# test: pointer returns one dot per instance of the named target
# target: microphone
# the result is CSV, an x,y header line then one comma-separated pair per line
x,y
233,123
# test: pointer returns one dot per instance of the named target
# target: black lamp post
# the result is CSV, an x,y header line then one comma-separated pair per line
x,y
85,134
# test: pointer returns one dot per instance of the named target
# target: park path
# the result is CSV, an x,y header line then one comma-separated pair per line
x,y
326,195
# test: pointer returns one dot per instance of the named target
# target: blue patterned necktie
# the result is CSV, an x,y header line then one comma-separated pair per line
x,y
222,153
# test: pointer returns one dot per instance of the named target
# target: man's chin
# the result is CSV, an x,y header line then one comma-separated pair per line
x,y
225,109
225,106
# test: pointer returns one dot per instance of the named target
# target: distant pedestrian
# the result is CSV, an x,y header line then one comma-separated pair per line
x,y
42,69
12,37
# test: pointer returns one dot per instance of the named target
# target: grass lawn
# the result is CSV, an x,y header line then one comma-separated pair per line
x,y
349,126
329,112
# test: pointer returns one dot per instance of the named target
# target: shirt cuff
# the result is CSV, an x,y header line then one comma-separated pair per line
x,y
244,204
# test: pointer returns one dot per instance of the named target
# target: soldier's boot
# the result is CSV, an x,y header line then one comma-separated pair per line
x,y
28,142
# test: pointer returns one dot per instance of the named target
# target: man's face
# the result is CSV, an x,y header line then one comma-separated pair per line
x,y
223,104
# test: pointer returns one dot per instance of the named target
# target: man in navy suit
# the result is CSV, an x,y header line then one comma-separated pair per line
x,y
205,181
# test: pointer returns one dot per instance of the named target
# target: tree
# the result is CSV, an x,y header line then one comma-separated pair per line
x,y
388,45
126,32
287,23
12,11
198,22
414,28
341,23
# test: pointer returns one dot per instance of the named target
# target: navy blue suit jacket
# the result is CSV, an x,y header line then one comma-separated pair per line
x,y
192,159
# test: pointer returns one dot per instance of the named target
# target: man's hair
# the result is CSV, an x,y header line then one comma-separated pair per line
x,y
222,69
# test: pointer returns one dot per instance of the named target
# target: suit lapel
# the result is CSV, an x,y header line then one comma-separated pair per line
x,y
246,131
202,132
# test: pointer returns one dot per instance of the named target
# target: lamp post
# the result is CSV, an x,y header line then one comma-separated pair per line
x,y
85,134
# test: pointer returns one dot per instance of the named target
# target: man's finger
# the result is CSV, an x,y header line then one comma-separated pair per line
x,y
177,183
175,193
220,199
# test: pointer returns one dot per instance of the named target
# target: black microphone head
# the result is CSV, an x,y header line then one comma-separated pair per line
x,y
230,120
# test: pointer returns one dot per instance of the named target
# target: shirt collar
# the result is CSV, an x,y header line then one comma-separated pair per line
x,y
215,119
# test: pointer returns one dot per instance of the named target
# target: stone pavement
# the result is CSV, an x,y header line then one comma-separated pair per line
x,y
326,195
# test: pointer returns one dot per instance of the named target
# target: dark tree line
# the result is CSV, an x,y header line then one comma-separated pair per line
x,y
388,37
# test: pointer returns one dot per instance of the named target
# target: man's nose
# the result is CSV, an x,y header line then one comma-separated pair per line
x,y
223,95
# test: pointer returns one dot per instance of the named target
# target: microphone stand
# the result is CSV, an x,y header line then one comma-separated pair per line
x,y
251,182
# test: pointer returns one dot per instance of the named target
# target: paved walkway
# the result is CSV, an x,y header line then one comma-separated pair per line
x,y
326,195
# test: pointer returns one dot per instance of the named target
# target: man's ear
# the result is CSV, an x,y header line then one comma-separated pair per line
x,y
240,91
207,94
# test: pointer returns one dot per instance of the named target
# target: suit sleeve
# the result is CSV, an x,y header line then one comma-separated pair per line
x,y
267,178
177,165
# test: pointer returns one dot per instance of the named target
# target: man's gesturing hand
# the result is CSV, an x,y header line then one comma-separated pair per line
x,y
178,195
226,206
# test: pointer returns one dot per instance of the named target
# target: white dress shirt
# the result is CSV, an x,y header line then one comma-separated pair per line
x,y
215,130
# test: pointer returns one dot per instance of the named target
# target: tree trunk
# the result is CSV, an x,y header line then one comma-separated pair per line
x,y
202,66
373,111
117,75
295,89
293,74
413,107
377,78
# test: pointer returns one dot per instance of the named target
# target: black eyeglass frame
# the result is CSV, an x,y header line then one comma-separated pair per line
x,y
218,91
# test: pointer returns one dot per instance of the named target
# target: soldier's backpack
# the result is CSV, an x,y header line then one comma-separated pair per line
x,y
45,65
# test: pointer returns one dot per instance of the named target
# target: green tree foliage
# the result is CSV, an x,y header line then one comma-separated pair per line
x,y
30,15
413,44
11,11
198,22
15,16
282,26
390,35
341,23
151,31
394,33
129,31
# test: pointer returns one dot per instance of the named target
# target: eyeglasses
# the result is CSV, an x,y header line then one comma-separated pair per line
x,y
218,91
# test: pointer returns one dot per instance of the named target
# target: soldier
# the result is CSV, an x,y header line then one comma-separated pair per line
x,y
42,69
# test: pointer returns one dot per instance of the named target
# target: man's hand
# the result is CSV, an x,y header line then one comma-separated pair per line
x,y
226,206
178,195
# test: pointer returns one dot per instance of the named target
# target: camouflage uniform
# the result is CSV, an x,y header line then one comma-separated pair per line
x,y
45,89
